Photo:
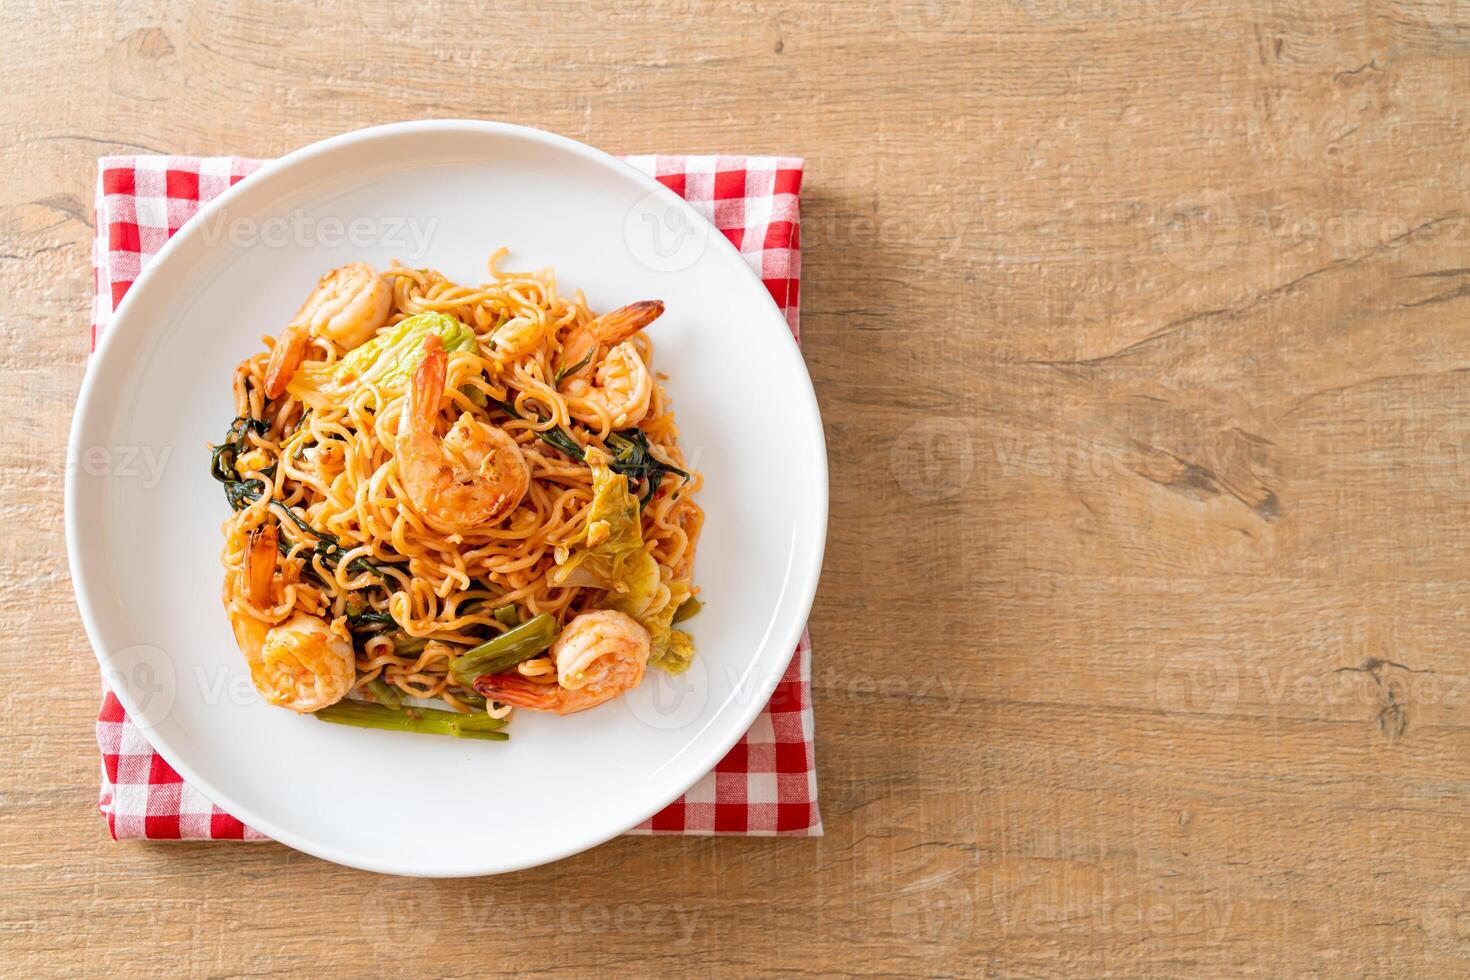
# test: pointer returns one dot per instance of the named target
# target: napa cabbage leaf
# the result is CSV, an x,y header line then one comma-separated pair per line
x,y
387,361
611,555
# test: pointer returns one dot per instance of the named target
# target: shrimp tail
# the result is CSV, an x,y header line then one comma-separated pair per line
x,y
285,359
260,563
625,321
428,380
513,689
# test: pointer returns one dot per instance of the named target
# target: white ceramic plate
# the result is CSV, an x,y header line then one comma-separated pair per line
x,y
143,515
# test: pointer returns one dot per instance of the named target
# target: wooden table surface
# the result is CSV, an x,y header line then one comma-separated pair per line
x,y
1139,331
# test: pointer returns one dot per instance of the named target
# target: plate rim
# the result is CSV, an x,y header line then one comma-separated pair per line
x,y
85,418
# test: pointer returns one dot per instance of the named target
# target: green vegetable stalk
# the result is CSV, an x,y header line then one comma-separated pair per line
x,y
388,695
427,721
506,650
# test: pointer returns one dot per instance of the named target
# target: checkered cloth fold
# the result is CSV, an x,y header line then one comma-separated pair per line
x,y
766,784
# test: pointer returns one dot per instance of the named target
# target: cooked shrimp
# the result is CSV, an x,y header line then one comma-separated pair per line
x,y
300,664
612,383
621,390
514,339
472,476
598,656
609,382
347,307
581,348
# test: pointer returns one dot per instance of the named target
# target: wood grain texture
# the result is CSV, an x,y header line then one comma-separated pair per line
x,y
1139,333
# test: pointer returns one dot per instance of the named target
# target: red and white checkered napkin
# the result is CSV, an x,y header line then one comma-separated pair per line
x,y
766,785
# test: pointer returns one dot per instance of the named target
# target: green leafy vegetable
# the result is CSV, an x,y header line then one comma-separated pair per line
x,y
328,546
408,646
240,493
688,610
564,372
223,458
372,621
633,457
300,445
555,438
475,395
612,556
678,655
669,648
